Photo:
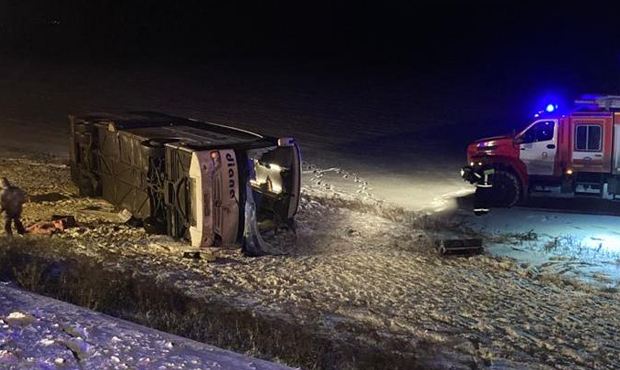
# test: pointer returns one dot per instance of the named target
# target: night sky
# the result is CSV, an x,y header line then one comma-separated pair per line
x,y
526,46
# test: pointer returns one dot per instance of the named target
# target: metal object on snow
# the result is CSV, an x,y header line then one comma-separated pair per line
x,y
462,247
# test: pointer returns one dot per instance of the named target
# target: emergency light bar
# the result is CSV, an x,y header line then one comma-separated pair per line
x,y
605,102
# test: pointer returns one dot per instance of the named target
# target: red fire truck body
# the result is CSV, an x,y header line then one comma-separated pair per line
x,y
572,154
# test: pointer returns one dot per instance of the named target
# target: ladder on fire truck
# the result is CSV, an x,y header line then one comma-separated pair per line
x,y
608,102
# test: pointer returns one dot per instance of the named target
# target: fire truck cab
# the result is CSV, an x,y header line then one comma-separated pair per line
x,y
563,155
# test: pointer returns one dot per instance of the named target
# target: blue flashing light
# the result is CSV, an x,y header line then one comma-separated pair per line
x,y
549,103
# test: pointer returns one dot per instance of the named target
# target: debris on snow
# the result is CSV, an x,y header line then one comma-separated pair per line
x,y
463,247
125,215
56,225
19,319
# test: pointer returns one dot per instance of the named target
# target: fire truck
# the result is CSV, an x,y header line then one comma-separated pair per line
x,y
205,182
565,155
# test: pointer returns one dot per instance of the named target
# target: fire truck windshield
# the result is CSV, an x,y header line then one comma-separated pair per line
x,y
538,131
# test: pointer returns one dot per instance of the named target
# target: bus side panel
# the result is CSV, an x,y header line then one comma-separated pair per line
x,y
124,172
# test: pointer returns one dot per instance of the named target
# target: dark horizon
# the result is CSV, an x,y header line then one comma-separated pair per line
x,y
522,50
447,32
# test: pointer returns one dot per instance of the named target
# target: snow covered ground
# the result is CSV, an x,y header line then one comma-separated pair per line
x,y
42,333
354,276
386,140
585,247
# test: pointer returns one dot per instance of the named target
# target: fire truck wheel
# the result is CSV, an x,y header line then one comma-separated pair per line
x,y
506,190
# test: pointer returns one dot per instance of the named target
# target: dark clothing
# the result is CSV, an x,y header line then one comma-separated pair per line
x,y
11,200
482,200
18,225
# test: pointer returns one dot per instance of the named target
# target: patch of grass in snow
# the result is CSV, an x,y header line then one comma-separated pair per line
x,y
612,289
515,238
565,242
570,245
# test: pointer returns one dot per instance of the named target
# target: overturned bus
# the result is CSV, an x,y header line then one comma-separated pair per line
x,y
205,182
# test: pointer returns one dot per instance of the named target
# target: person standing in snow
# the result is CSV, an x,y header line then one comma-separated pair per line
x,y
12,200
481,200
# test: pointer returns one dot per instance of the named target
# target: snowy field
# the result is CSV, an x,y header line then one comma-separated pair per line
x,y
376,159
354,276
